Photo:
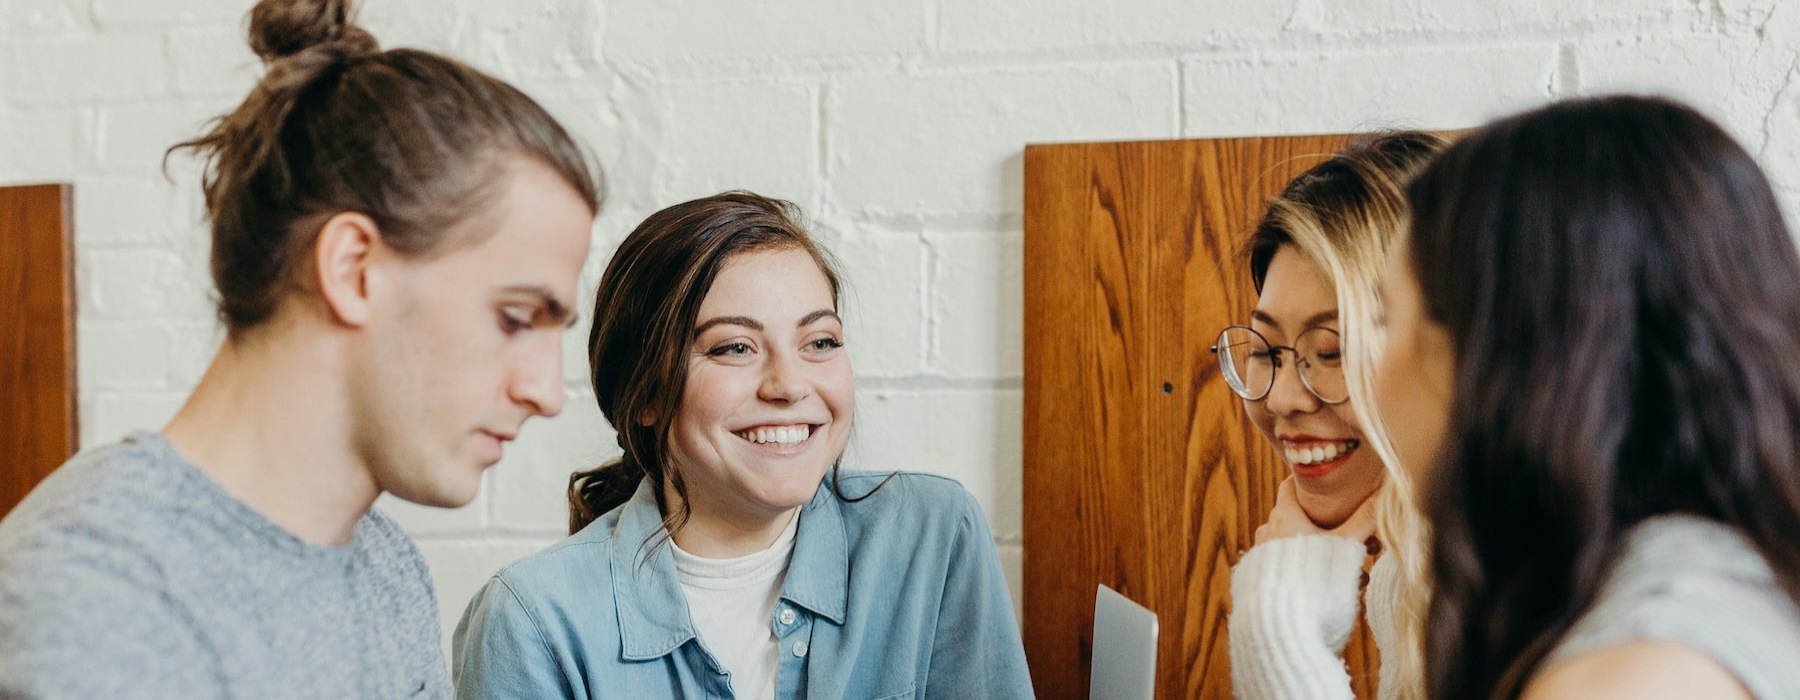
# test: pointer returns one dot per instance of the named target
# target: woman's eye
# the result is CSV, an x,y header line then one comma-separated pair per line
x,y
512,322
826,343
730,350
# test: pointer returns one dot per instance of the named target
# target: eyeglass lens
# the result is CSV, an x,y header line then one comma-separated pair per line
x,y
1250,363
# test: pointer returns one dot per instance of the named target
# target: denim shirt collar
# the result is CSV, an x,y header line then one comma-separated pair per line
x,y
653,613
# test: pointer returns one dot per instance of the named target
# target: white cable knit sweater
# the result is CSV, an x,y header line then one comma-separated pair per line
x,y
1294,604
1680,579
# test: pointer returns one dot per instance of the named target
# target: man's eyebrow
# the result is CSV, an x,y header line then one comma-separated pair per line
x,y
744,321
552,305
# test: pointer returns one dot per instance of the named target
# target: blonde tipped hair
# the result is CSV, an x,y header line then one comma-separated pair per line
x,y
1345,214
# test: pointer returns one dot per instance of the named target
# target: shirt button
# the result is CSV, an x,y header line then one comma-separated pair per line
x,y
799,648
787,616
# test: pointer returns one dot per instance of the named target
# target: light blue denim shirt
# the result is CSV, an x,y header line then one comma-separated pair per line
x,y
898,595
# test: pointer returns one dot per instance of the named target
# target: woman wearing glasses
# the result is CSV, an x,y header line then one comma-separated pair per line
x,y
1302,367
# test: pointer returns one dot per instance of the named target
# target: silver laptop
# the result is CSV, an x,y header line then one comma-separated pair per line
x,y
1124,649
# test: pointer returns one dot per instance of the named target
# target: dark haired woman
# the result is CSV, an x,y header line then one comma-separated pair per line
x,y
396,239
724,554
1591,337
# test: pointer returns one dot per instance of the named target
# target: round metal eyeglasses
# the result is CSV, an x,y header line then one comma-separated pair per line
x,y
1249,363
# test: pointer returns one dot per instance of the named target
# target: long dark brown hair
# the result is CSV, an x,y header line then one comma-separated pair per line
x,y
414,140
1624,303
644,315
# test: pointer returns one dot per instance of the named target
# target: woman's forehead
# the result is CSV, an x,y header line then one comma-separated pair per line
x,y
769,283
1296,294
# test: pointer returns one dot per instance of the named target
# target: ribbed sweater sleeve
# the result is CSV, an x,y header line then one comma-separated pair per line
x,y
1378,606
1294,604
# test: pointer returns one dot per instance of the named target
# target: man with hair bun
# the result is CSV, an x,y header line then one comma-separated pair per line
x,y
396,244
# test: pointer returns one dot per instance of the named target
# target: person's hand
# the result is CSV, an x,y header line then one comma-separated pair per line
x,y
1289,520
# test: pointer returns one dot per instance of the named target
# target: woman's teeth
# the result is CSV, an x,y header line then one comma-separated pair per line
x,y
791,435
1318,452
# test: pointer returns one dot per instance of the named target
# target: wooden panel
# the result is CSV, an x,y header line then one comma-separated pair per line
x,y
37,337
1141,470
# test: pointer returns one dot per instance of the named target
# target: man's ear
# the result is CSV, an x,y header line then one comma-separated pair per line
x,y
342,253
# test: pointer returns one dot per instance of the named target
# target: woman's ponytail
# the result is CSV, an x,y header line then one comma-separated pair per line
x,y
594,492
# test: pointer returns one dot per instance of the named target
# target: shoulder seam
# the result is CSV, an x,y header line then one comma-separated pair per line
x,y
553,549
543,638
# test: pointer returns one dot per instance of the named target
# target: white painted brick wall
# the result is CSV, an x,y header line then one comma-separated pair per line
x,y
649,31
88,69
1385,20
212,62
538,40
133,137
951,142
40,17
58,140
977,293
681,144
1426,86
984,26
1733,81
132,14
898,126
884,295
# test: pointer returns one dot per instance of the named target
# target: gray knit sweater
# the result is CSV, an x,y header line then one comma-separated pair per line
x,y
131,574
1697,583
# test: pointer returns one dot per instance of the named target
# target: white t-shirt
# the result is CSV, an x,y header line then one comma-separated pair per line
x,y
733,605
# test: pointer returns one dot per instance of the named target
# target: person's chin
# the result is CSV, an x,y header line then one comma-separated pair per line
x,y
791,490
441,492
1330,506
1321,496
461,496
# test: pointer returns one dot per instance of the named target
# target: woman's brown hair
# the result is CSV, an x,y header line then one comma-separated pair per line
x,y
644,315
1623,298
416,141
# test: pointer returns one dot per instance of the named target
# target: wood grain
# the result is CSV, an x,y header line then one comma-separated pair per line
x,y
1141,471
37,337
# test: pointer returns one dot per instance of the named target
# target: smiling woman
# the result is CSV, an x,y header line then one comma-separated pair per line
x,y
688,310
725,554
1304,369
767,406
